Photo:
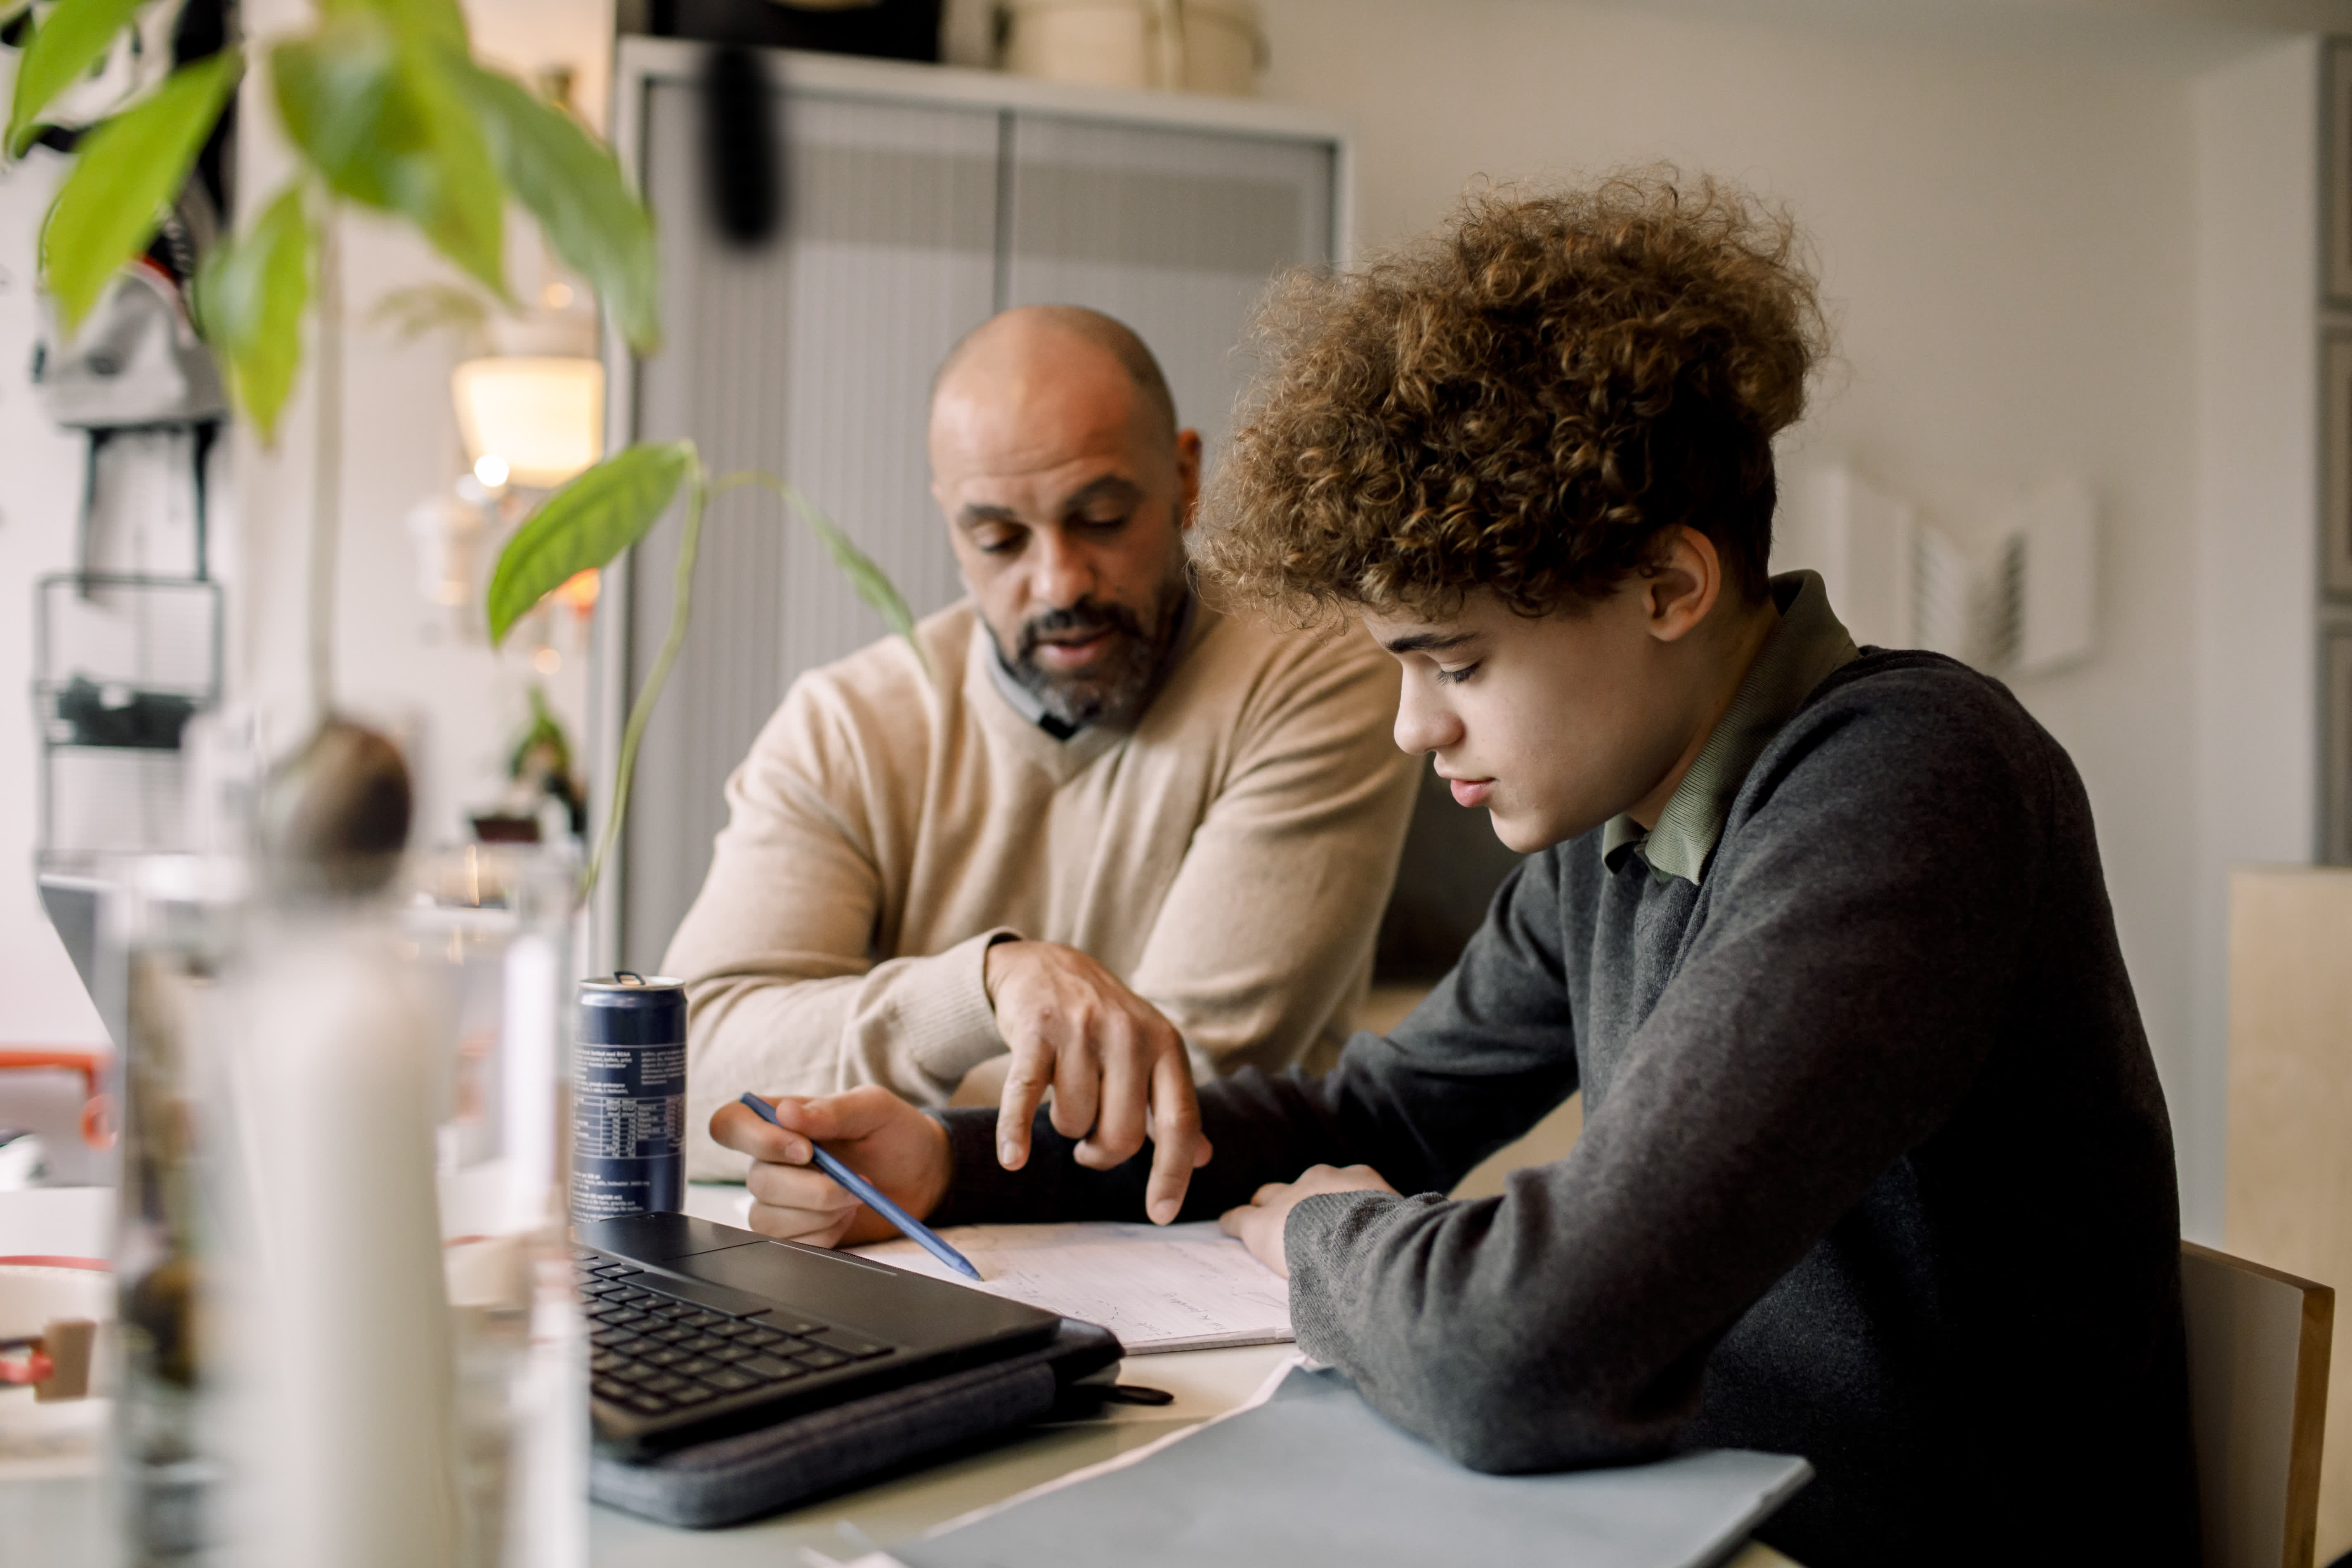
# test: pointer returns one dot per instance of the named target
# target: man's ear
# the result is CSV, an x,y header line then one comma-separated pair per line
x,y
1682,583
1187,476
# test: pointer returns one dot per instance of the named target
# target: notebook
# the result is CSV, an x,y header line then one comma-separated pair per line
x,y
1309,1473
1158,1287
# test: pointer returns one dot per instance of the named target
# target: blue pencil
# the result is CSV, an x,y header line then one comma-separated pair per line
x,y
870,1194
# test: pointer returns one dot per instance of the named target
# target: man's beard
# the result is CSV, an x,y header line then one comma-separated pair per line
x,y
1122,681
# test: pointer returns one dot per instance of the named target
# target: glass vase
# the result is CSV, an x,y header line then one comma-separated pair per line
x,y
410,1362
171,926
496,923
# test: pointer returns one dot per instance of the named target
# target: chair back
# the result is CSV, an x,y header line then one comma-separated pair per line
x,y
2258,1343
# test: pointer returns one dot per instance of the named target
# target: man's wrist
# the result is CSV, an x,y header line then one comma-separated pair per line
x,y
988,964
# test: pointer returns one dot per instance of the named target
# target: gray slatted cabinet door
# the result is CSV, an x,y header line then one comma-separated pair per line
x,y
811,358
1175,232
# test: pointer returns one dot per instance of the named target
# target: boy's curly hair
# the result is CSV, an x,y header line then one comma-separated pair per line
x,y
1520,403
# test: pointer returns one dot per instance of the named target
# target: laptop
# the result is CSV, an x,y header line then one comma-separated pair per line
x,y
698,1329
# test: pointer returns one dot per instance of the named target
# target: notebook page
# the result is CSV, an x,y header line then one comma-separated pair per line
x,y
1158,1287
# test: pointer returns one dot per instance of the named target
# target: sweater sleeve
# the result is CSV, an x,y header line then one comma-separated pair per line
x,y
1264,938
1478,1064
1830,1010
783,991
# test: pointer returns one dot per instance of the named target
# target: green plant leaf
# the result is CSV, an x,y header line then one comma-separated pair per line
x,y
249,298
575,190
585,525
376,111
457,309
75,36
873,584
436,22
123,175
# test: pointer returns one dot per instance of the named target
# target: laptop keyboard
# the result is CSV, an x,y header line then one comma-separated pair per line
x,y
655,1354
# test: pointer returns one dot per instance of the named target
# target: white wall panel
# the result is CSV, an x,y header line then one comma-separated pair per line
x,y
809,357
1175,232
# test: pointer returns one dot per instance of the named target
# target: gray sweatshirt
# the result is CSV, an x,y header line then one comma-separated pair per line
x,y
1874,1165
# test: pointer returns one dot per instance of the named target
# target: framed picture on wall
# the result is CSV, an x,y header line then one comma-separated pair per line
x,y
2335,173
2335,456
2335,738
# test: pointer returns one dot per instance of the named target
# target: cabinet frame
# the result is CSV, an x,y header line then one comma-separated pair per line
x,y
641,64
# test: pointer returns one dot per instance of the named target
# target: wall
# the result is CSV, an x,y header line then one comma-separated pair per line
x,y
2005,230
2257,172
41,1001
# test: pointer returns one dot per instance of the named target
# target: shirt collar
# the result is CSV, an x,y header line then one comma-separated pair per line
x,y
1807,644
1027,703
1023,700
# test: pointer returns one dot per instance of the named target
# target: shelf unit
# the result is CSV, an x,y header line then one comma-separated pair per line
x,y
919,200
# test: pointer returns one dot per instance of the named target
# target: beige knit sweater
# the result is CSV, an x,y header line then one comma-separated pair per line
x,y
1228,858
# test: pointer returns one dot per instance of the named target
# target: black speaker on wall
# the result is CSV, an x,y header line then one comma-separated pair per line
x,y
742,152
885,29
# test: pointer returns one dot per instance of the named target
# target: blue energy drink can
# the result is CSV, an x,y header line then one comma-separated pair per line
x,y
629,1098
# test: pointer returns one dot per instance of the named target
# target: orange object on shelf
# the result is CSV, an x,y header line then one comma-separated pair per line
x,y
91,1062
35,1368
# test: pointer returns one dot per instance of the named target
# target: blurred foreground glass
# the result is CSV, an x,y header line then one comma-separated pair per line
x,y
408,1359
495,924
170,926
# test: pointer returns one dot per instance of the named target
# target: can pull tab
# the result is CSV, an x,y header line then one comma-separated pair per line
x,y
627,977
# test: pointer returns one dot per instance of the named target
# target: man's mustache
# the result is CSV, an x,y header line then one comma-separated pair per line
x,y
1085,616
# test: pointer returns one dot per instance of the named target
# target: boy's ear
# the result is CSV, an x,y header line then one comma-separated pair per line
x,y
1682,583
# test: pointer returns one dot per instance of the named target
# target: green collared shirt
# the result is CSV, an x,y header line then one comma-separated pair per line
x,y
1808,643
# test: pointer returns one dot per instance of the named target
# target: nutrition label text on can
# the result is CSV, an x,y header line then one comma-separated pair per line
x,y
629,1098
628,1101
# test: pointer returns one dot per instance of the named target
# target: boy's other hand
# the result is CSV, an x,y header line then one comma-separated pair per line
x,y
870,1129
1116,1065
1259,1222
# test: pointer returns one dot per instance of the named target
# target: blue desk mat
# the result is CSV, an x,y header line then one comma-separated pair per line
x,y
1314,1475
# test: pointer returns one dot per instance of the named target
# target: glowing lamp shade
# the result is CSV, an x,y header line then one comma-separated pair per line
x,y
543,419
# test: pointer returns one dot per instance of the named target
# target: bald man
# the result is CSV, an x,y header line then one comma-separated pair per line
x,y
1115,841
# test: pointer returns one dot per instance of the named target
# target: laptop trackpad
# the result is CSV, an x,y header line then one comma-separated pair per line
x,y
889,1303
886,1303
658,1237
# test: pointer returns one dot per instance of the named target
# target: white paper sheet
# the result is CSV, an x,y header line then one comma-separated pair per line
x,y
1158,1287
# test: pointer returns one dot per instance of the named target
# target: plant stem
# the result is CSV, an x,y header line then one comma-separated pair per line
x,y
327,471
680,604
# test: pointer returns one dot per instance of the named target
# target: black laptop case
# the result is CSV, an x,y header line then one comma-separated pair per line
x,y
730,1480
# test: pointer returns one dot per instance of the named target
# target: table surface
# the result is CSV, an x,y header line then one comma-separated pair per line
x,y
64,1513
1205,1384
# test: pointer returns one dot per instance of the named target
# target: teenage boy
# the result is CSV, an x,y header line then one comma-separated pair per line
x,y
1874,1166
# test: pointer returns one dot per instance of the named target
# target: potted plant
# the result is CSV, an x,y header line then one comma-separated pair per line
x,y
386,108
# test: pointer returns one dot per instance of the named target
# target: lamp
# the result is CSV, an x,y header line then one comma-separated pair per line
x,y
530,421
